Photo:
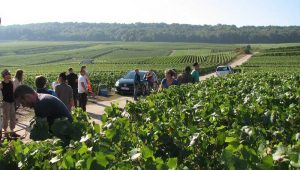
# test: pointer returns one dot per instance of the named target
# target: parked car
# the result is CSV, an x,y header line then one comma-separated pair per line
x,y
125,85
223,70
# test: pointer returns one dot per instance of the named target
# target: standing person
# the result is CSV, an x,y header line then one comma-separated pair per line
x,y
168,80
44,105
150,79
40,83
89,84
73,82
186,76
9,113
137,81
196,73
64,92
82,90
18,80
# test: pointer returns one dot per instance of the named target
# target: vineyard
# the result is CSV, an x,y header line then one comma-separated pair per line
x,y
110,61
246,121
279,59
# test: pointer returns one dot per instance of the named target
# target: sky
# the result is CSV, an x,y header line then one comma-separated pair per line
x,y
196,12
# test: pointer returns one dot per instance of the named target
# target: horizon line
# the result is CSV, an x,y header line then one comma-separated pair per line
x,y
83,22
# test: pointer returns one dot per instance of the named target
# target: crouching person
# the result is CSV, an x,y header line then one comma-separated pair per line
x,y
44,105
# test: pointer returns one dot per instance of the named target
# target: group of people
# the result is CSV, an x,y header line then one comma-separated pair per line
x,y
188,76
69,89
171,78
47,103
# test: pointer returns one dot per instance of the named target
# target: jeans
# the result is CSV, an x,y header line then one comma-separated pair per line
x,y
82,101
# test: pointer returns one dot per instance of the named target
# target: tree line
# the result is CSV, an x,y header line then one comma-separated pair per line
x,y
151,32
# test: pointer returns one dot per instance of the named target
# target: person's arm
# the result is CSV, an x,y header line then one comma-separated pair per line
x,y
71,102
161,86
76,78
41,111
83,86
193,76
14,85
57,91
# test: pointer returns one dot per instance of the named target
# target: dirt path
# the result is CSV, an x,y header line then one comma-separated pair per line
x,y
172,53
24,116
237,62
96,108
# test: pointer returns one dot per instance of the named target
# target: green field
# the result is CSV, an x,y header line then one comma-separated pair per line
x,y
246,120
51,55
22,54
275,59
110,60
51,58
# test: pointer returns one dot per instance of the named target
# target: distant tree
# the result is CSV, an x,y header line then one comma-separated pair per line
x,y
150,32
247,49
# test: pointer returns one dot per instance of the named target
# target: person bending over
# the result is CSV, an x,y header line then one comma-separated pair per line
x,y
44,105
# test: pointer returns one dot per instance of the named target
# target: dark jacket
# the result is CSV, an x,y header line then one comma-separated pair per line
x,y
185,78
137,79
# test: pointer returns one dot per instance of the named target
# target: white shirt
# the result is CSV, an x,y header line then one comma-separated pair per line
x,y
16,83
82,79
54,84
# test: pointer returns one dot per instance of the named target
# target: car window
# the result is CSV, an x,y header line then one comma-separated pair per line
x,y
142,74
131,74
222,69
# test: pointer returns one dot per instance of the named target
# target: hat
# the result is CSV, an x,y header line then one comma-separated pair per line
x,y
5,72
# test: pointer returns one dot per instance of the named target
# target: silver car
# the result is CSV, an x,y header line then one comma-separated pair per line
x,y
223,70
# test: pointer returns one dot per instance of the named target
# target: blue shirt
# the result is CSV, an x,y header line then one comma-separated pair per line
x,y
46,91
165,84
